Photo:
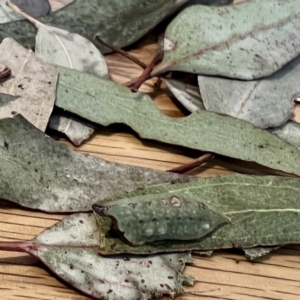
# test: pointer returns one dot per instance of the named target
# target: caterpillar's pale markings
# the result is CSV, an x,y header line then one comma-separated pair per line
x,y
170,218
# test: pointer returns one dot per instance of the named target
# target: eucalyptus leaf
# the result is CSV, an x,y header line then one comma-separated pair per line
x,y
74,128
32,84
6,99
35,8
289,132
188,95
170,218
59,4
118,22
203,253
257,252
107,103
265,103
264,211
208,2
59,179
69,250
60,47
212,40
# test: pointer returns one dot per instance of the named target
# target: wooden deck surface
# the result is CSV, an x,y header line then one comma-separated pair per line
x,y
225,275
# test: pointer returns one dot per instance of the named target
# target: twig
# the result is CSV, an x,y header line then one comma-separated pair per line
x,y
122,52
199,162
136,84
133,84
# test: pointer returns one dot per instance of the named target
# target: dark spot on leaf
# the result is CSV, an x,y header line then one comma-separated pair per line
x,y
133,205
150,262
202,205
49,82
141,221
170,277
109,291
71,266
81,221
20,86
142,281
261,146
36,170
154,219
6,146
161,285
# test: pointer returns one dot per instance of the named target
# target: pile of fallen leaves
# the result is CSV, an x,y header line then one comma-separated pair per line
x,y
146,223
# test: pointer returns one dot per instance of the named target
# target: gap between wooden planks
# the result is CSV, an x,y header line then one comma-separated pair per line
x,y
225,275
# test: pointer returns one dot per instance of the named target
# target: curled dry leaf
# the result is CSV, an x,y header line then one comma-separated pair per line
x,y
244,50
32,84
268,102
264,211
119,23
74,128
59,179
202,130
69,250
170,218
188,95
289,132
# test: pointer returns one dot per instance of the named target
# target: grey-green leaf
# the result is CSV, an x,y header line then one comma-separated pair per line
x,y
254,253
35,9
69,250
32,83
166,218
289,132
60,47
74,128
202,130
211,40
268,102
57,178
208,2
264,211
188,95
118,22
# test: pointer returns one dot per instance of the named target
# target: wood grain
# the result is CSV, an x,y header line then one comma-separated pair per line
x,y
225,275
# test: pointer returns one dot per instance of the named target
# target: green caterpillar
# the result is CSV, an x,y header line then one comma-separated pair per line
x,y
169,218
